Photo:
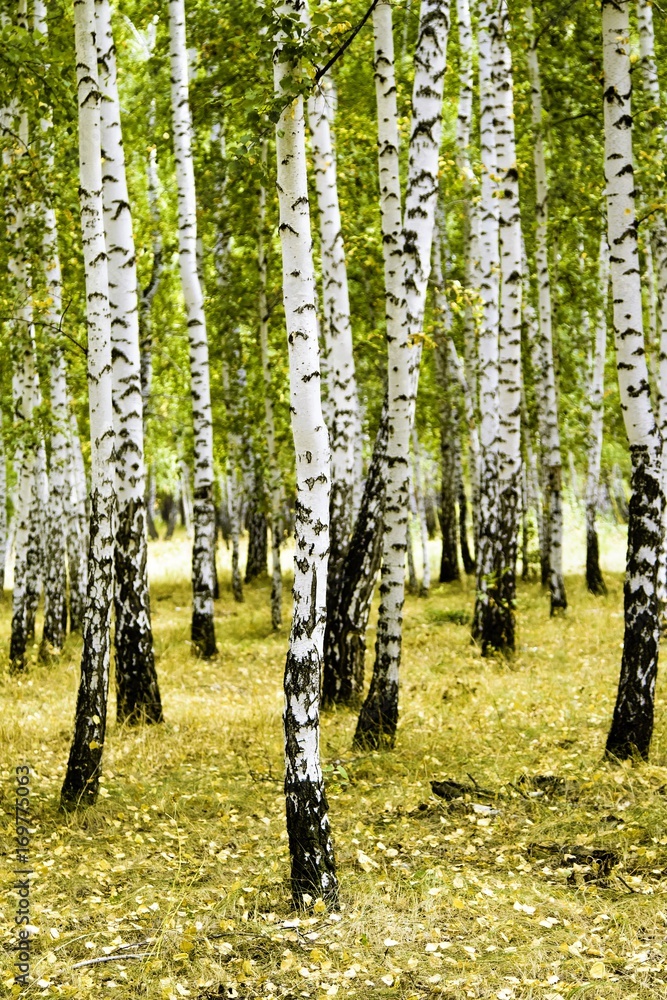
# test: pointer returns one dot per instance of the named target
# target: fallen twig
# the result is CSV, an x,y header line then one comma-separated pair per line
x,y
106,958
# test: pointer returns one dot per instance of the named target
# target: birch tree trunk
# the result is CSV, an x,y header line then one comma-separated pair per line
x,y
275,492
632,723
407,265
26,567
311,849
470,212
488,621
420,504
379,714
344,429
658,235
345,636
203,550
554,511
77,526
85,759
594,579
137,691
54,545
509,351
449,562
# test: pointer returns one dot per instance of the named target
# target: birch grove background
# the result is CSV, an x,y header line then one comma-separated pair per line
x,y
333,533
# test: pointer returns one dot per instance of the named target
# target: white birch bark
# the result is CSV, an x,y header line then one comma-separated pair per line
x,y
137,692
54,546
470,185
658,237
421,194
487,623
632,723
345,428
203,552
594,579
407,265
26,562
379,714
275,492
509,351
420,502
83,769
552,455
311,848
76,517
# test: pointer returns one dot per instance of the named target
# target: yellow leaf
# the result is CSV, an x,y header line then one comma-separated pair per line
x,y
458,904
597,970
94,745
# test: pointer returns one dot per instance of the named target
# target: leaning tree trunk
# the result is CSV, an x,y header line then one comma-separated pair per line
x,y
488,620
594,579
632,724
203,550
269,419
344,429
407,265
552,456
473,455
85,759
509,350
347,622
449,561
137,691
311,848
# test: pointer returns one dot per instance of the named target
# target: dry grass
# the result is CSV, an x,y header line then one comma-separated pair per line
x,y
186,848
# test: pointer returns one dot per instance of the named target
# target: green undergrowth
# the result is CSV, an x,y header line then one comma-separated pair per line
x,y
520,887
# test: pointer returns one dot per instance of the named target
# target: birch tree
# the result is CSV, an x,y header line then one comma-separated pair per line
x,y
594,579
407,264
632,723
275,492
552,454
311,848
509,350
137,691
81,782
345,426
203,551
658,236
488,624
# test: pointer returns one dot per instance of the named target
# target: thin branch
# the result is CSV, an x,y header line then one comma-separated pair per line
x,y
346,44
107,958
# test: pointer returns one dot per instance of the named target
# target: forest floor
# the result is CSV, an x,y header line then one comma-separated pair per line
x,y
530,889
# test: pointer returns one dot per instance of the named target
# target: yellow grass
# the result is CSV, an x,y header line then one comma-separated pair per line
x,y
186,848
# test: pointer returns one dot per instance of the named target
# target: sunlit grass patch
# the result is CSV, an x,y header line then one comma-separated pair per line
x,y
539,890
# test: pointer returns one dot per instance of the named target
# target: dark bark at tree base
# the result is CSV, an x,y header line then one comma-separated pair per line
x,y
81,783
313,872
237,582
347,617
594,579
257,561
378,719
18,644
169,513
505,639
137,689
203,626
632,724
